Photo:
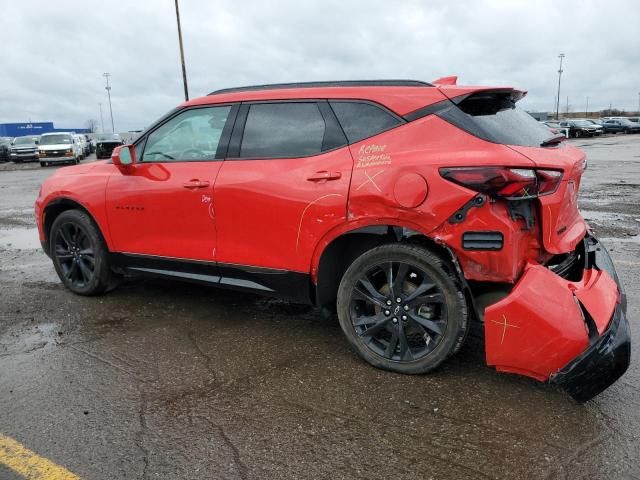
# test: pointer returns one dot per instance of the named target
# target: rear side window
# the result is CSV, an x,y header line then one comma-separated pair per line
x,y
494,117
275,130
361,120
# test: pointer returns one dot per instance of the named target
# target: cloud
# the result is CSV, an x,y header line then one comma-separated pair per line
x,y
54,53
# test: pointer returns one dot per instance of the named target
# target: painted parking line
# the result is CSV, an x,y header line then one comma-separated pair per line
x,y
29,464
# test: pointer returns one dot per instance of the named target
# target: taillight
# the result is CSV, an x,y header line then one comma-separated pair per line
x,y
505,182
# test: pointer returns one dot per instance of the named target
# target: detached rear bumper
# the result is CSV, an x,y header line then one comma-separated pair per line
x,y
604,362
568,328
608,357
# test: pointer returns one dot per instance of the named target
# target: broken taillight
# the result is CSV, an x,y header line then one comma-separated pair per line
x,y
505,182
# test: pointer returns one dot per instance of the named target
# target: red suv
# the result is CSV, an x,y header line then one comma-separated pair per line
x,y
411,208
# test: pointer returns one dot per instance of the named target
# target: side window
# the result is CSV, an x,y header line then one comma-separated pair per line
x,y
191,135
361,120
275,130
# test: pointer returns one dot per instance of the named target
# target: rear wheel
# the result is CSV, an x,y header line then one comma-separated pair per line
x,y
401,310
79,254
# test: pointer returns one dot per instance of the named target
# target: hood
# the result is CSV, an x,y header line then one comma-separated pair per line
x,y
56,146
28,146
79,169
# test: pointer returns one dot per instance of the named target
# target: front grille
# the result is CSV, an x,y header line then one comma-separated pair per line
x,y
55,153
482,240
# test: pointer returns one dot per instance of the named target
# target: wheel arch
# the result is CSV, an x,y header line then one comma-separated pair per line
x,y
61,204
334,254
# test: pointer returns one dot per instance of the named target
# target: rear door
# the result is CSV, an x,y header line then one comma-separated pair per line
x,y
283,185
164,205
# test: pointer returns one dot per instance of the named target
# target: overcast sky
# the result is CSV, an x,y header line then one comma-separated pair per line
x,y
53,53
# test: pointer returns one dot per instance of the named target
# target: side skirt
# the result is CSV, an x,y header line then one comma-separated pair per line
x,y
293,286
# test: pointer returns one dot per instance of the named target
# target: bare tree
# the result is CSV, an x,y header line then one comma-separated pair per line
x,y
92,125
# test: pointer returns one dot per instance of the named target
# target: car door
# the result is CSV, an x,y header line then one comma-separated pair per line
x,y
283,185
163,206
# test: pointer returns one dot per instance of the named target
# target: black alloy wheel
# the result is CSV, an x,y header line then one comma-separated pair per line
x,y
76,254
401,310
79,254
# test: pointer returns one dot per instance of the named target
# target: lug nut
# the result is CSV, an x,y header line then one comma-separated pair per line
x,y
406,308
388,302
394,320
387,312
398,299
404,317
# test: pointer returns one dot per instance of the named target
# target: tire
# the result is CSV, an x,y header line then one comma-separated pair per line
x,y
413,335
43,164
76,245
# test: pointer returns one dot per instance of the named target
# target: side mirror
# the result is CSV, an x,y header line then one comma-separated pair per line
x,y
124,156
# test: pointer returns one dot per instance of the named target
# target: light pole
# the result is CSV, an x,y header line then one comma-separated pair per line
x,y
106,75
638,103
184,69
586,110
101,117
561,56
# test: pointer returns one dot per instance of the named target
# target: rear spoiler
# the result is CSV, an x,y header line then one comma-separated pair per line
x,y
452,80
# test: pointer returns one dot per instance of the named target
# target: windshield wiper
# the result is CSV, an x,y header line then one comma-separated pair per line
x,y
553,141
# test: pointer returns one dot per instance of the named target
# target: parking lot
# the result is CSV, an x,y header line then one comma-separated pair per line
x,y
177,381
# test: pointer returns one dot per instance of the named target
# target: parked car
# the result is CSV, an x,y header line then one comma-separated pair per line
x,y
412,209
621,125
634,119
61,147
91,144
599,128
5,148
105,143
579,128
81,145
555,127
24,148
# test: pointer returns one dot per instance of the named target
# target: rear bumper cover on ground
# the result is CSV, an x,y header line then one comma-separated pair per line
x,y
570,329
608,357
604,362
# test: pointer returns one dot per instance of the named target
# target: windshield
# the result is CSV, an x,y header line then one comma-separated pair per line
x,y
24,141
580,123
493,116
108,137
55,139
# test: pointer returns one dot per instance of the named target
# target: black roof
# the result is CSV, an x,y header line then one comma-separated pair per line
x,y
339,83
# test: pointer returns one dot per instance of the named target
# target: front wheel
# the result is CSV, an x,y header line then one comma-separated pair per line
x,y
79,254
401,309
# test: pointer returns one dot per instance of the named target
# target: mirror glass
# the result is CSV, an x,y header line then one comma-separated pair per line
x,y
125,156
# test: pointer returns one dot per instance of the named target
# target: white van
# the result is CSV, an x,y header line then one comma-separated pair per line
x,y
59,147
81,142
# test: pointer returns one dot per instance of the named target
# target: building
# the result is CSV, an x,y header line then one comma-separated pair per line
x,y
540,116
34,128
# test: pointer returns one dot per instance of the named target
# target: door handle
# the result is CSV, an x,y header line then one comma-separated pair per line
x,y
195,183
324,175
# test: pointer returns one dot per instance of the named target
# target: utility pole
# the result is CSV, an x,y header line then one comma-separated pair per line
x,y
106,75
586,110
561,56
184,69
567,105
101,117
638,103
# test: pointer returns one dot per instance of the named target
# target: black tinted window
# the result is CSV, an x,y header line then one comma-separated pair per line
x,y
282,130
362,120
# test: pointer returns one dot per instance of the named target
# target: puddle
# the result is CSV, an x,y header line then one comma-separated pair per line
x,y
20,239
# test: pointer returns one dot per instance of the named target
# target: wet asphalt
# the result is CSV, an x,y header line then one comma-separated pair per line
x,y
177,381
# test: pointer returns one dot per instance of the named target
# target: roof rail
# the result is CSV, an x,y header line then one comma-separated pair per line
x,y
339,83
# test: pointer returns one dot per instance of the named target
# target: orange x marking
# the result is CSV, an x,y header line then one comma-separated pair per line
x,y
504,325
